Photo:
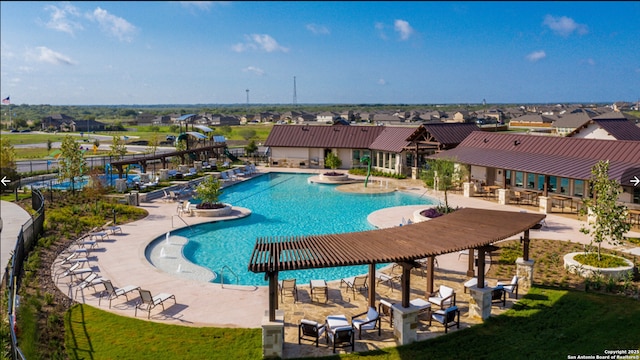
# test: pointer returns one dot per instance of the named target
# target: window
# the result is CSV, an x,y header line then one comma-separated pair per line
x,y
553,184
564,186
507,177
519,178
540,182
531,181
636,195
578,188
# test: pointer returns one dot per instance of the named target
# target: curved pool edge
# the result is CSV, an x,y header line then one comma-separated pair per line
x,y
167,255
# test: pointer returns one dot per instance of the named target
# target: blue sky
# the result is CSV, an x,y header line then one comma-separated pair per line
x,y
105,53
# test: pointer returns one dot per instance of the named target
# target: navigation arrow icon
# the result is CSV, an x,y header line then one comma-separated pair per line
x,y
4,181
635,181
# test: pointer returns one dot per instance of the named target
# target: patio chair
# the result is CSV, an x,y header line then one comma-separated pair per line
x,y
290,286
310,330
422,305
148,301
166,197
370,322
448,318
512,287
355,282
341,337
112,292
498,295
445,297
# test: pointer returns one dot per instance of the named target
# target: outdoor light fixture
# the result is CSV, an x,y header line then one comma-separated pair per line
x,y
516,143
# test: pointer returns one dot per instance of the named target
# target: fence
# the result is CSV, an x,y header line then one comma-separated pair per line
x,y
26,240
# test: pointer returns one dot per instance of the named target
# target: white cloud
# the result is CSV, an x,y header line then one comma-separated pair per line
x,y
255,70
382,81
403,27
114,25
589,61
564,26
202,5
25,69
259,42
59,19
536,55
318,29
46,55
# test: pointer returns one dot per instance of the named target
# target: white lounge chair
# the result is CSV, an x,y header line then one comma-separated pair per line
x,y
445,297
355,282
388,279
148,301
112,292
75,270
90,281
512,287
370,322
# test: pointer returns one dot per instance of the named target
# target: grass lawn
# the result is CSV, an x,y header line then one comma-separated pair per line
x,y
96,334
547,323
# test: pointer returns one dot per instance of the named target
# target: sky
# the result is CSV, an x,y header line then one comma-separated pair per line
x,y
183,52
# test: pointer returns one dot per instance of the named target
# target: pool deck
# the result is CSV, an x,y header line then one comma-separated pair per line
x,y
121,258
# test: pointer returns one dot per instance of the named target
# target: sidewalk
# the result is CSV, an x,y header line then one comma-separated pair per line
x,y
13,217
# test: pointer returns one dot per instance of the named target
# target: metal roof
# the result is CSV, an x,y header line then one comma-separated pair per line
x,y
203,128
556,156
621,129
450,134
464,229
322,136
392,139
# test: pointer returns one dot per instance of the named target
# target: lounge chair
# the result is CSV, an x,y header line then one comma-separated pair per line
x,y
113,292
290,286
149,301
445,297
355,282
225,177
90,281
512,287
388,279
370,322
166,197
310,330
447,317
75,270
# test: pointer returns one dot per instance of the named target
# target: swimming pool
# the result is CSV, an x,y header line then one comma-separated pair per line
x,y
283,205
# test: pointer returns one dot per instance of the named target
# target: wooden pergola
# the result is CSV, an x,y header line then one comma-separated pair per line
x,y
464,229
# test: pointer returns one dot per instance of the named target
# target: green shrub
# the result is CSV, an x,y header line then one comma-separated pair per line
x,y
606,261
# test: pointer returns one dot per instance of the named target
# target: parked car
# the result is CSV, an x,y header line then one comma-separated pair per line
x,y
171,138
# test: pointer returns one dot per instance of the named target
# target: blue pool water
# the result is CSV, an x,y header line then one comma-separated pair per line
x,y
284,205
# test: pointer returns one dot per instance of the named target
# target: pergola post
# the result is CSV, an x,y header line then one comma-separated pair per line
x,y
471,269
405,318
405,283
525,245
479,296
430,275
524,265
273,322
372,285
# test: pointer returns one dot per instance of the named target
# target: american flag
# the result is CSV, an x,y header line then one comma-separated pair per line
x,y
6,101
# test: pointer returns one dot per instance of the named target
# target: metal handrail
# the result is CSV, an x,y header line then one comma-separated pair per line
x,y
180,217
222,275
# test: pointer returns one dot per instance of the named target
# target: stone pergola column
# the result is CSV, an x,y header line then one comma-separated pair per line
x,y
468,189
503,196
480,297
273,335
524,265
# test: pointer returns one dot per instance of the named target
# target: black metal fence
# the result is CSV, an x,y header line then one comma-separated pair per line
x,y
25,242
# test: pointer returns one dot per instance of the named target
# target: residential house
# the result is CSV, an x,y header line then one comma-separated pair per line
x,y
326,117
533,120
567,123
461,116
57,122
610,126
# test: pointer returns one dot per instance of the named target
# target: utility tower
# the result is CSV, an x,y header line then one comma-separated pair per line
x,y
247,98
295,95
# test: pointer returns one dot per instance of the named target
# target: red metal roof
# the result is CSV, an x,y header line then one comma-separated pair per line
x,y
392,139
451,134
556,156
319,136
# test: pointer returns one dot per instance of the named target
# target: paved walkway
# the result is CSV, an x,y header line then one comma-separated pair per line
x,y
121,258
12,217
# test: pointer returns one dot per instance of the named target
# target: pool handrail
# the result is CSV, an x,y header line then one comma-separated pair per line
x,y
222,275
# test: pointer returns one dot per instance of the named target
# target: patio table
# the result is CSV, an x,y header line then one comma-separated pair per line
x,y
561,200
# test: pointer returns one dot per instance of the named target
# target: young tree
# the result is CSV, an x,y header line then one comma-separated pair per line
x,y
153,143
442,174
118,148
8,166
610,218
332,160
251,148
72,161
